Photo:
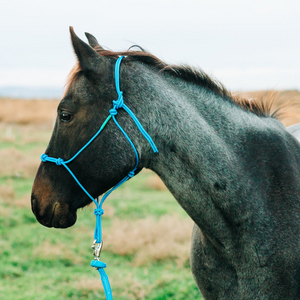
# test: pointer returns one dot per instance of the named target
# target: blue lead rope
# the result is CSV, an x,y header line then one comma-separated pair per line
x,y
117,104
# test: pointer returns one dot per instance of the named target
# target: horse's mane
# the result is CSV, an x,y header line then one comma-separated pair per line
x,y
260,106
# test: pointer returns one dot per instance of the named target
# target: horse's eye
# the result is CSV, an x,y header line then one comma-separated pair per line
x,y
65,117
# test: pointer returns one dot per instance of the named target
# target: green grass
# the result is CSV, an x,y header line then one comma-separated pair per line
x,y
46,263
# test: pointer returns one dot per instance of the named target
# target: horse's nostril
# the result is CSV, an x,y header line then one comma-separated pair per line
x,y
33,204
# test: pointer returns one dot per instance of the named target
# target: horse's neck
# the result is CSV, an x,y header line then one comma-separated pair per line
x,y
220,162
196,160
198,135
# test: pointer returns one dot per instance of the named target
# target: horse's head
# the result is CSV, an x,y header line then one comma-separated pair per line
x,y
55,194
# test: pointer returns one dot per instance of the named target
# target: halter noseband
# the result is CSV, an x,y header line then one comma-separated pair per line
x,y
117,104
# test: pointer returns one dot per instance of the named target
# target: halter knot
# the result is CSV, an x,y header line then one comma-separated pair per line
x,y
118,103
59,161
131,174
44,157
113,112
98,211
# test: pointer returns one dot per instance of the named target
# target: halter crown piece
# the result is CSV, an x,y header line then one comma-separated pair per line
x,y
97,245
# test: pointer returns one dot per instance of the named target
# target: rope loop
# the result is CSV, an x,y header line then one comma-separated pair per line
x,y
98,211
131,174
44,157
59,161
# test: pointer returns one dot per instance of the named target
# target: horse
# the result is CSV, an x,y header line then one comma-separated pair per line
x,y
228,161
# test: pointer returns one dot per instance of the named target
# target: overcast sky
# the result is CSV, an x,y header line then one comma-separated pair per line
x,y
248,45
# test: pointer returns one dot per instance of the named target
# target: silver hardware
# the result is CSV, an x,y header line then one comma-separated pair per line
x,y
97,249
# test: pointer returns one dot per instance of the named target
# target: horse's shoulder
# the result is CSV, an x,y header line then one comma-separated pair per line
x,y
264,130
268,135
278,141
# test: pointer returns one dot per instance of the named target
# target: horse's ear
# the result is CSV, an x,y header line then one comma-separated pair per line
x,y
88,58
92,41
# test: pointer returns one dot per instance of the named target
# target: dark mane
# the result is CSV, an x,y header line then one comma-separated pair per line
x,y
187,73
261,107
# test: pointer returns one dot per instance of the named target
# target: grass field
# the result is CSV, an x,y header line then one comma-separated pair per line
x,y
146,233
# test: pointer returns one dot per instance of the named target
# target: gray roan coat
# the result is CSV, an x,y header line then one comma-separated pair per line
x,y
229,163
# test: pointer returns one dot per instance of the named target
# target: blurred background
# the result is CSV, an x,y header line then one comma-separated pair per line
x,y
252,47
248,45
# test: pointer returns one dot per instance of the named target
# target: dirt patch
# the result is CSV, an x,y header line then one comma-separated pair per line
x,y
150,239
14,163
7,193
27,111
61,251
155,183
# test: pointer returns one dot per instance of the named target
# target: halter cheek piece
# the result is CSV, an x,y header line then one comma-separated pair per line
x,y
97,245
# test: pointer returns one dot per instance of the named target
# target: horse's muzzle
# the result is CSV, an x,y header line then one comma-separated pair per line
x,y
54,214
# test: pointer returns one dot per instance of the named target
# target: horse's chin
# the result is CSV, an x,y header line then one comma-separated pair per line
x,y
57,215
58,220
63,221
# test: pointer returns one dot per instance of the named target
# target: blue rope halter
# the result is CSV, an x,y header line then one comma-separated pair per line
x,y
97,245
